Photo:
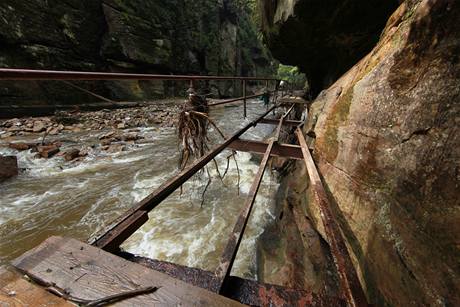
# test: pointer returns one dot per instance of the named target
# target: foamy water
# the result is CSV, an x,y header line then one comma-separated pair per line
x,y
54,197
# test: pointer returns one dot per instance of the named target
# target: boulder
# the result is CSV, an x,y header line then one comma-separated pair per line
x,y
39,126
47,151
71,154
8,167
19,146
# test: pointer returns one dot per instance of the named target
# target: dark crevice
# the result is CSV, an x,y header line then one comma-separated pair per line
x,y
416,132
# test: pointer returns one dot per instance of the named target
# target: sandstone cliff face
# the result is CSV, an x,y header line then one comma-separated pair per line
x,y
388,148
323,37
168,36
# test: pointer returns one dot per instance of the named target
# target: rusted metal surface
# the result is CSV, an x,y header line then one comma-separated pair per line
x,y
87,92
228,256
31,74
231,249
273,121
232,100
117,229
281,121
259,147
125,229
349,283
194,276
260,294
242,290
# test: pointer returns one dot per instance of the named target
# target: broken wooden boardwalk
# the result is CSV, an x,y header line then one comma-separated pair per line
x,y
79,272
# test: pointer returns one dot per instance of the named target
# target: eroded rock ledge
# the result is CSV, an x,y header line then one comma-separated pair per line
x,y
388,148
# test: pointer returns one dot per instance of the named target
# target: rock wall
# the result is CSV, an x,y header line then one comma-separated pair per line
x,y
167,36
388,147
323,37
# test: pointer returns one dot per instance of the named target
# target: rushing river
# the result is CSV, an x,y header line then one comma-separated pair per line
x,y
77,199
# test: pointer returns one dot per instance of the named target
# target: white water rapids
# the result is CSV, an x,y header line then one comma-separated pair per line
x,y
76,199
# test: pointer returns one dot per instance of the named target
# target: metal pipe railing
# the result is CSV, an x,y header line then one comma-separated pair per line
x,y
31,74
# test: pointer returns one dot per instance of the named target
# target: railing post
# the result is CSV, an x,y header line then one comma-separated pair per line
x,y
244,98
191,88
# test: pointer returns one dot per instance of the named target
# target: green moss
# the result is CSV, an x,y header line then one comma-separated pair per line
x,y
329,145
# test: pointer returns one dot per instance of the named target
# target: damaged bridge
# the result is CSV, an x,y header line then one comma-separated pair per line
x,y
64,271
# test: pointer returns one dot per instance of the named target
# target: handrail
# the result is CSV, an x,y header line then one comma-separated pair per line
x,y
32,74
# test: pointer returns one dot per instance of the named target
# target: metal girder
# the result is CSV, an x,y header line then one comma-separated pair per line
x,y
111,238
245,291
32,74
273,121
349,283
233,100
231,249
259,147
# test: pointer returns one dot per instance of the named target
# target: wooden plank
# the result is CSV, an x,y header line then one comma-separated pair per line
x,y
17,291
87,272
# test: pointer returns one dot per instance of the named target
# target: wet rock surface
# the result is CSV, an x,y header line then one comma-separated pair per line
x,y
388,148
8,167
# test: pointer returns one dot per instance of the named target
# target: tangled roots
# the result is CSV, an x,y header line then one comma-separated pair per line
x,y
193,129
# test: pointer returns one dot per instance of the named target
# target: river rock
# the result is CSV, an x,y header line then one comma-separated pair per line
x,y
39,126
107,135
6,135
47,151
19,146
71,154
114,148
8,167
388,148
130,137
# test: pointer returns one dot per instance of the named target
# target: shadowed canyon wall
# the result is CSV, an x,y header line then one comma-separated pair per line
x,y
167,37
388,146
324,38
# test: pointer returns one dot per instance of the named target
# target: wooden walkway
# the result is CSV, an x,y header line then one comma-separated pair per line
x,y
82,271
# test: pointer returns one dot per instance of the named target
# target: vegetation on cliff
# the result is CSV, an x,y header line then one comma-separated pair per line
x,y
169,37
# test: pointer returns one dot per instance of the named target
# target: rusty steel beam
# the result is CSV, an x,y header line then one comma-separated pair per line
x,y
349,283
231,249
244,99
111,238
281,121
245,291
232,100
273,121
31,74
258,147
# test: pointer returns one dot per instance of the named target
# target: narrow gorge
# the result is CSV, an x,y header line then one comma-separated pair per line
x,y
157,146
